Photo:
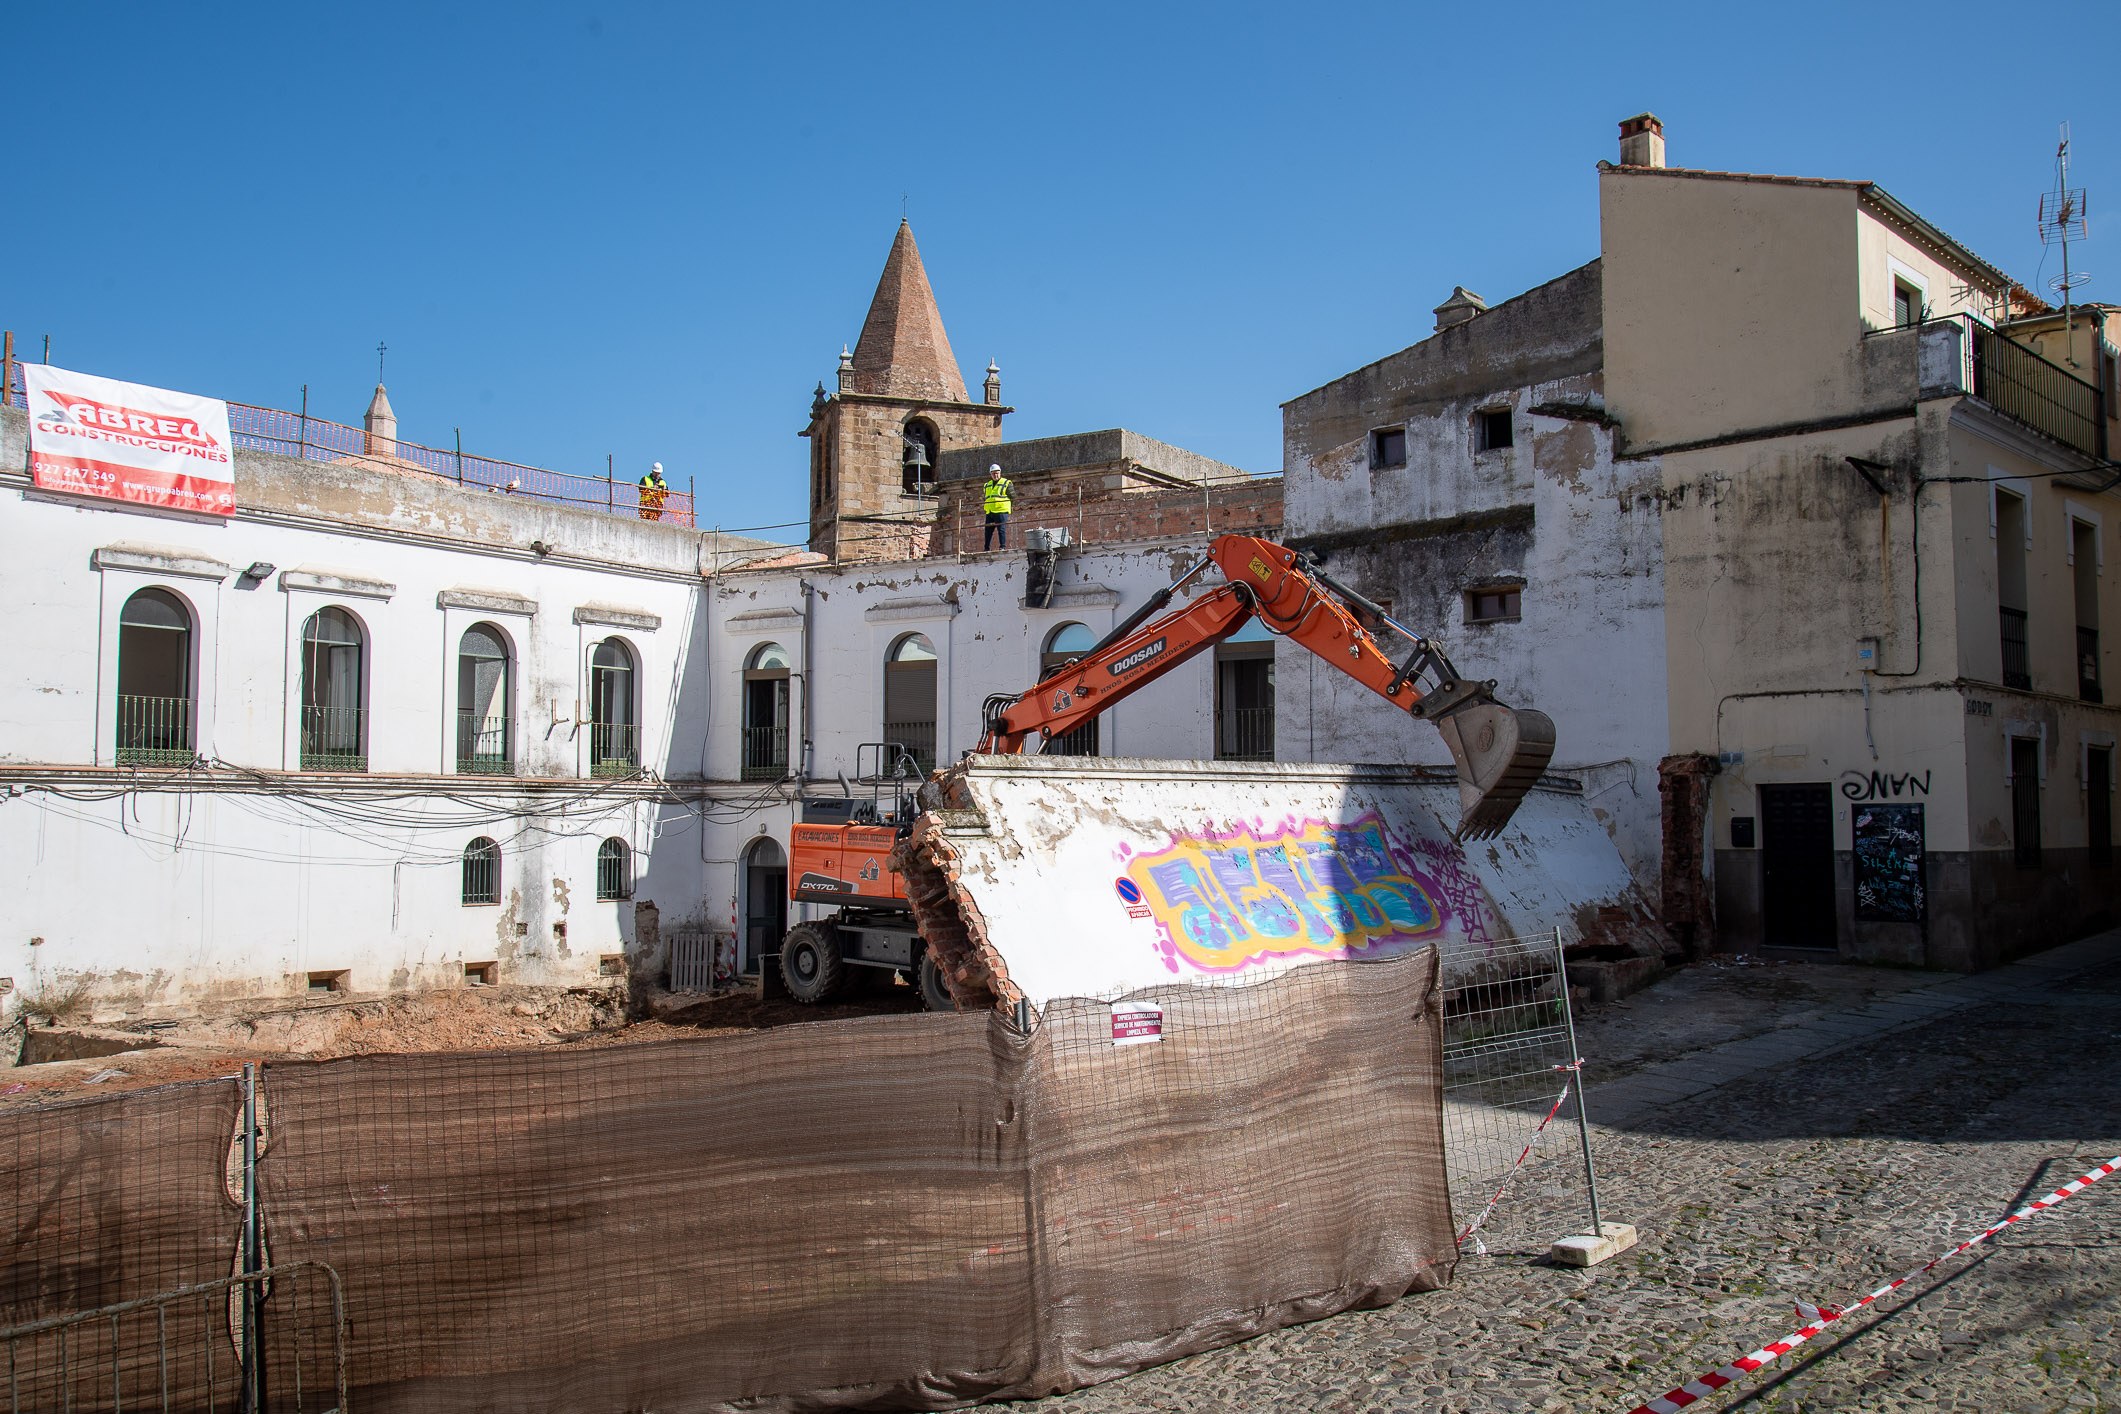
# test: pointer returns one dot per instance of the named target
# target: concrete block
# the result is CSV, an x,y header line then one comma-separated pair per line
x,y
1588,1251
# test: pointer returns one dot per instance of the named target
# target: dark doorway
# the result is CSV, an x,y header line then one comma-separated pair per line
x,y
1797,866
765,903
2025,800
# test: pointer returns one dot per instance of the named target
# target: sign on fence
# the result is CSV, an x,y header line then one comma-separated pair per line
x,y
91,436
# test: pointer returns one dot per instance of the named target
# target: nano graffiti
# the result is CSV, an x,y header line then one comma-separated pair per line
x,y
1881,785
1312,888
1889,858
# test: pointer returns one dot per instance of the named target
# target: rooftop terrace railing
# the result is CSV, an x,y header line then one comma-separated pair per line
x,y
312,439
1960,353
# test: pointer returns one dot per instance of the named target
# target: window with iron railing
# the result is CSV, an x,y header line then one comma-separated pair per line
x,y
767,675
2017,666
334,724
614,869
1244,702
154,681
483,745
2088,665
614,749
614,736
482,873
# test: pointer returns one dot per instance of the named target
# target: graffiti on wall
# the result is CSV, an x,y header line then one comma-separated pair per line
x,y
1311,888
1883,785
1889,863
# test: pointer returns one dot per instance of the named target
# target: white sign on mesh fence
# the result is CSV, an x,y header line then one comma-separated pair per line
x,y
91,436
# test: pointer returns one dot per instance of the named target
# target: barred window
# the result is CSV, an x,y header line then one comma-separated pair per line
x,y
482,872
614,869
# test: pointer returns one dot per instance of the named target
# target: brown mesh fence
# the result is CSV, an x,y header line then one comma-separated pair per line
x,y
904,1211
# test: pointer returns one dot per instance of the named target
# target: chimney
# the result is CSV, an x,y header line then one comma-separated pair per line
x,y
381,426
1461,306
994,384
1641,141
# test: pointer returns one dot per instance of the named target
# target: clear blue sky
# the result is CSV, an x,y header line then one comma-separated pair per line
x,y
648,230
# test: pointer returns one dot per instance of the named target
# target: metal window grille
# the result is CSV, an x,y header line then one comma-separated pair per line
x,y
155,731
614,870
765,753
918,738
482,872
2017,666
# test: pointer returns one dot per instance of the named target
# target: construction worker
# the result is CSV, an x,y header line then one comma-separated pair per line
x,y
997,502
653,490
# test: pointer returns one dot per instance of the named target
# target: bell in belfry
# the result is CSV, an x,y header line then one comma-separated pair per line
x,y
916,450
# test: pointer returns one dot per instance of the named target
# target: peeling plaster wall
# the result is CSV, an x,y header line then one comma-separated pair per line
x,y
1553,514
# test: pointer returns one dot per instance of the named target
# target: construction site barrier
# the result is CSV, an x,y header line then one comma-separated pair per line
x,y
907,1210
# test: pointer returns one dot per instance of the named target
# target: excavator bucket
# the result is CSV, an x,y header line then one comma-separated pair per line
x,y
1500,752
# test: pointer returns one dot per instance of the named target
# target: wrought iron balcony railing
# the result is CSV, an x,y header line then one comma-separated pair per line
x,y
334,738
2017,665
765,754
917,737
1959,353
1244,734
485,745
614,749
155,731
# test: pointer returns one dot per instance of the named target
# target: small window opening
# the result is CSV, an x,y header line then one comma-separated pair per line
x,y
482,872
1388,448
1502,604
612,964
481,974
327,982
614,869
1493,430
1908,308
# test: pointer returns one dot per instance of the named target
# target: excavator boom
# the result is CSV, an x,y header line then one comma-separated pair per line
x,y
1499,751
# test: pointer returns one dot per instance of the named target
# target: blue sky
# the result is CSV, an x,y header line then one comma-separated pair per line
x,y
647,230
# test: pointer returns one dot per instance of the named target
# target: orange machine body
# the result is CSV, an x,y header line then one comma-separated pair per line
x,y
845,864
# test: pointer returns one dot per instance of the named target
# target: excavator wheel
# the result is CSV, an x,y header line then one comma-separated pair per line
x,y
935,991
811,964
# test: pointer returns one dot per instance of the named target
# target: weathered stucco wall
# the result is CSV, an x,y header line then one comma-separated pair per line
x,y
1553,515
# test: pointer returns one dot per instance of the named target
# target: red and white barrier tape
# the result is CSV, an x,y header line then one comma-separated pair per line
x,y
1508,1178
1818,1318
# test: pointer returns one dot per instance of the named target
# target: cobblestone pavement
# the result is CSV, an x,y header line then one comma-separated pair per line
x,y
1831,1162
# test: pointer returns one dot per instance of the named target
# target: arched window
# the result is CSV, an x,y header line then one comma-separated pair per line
x,y
909,698
485,703
482,872
766,673
154,681
614,736
1069,641
334,713
920,447
614,869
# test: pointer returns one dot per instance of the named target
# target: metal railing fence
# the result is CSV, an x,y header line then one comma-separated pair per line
x,y
335,738
1244,734
614,749
1509,1048
313,439
154,731
2010,377
765,754
2017,663
916,738
484,745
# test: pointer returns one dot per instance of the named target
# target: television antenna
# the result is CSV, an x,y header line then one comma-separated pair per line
x,y
2062,221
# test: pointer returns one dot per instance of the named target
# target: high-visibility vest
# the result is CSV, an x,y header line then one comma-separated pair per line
x,y
998,497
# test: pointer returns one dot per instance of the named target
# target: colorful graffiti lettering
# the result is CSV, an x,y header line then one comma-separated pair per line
x,y
1313,888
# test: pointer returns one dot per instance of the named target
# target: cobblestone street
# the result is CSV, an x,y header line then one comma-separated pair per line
x,y
1814,1161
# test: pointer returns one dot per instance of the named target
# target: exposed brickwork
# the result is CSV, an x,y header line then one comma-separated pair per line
x,y
1105,504
904,352
859,507
1689,901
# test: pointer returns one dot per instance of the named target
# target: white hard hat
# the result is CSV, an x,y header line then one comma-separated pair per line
x,y
657,468
997,466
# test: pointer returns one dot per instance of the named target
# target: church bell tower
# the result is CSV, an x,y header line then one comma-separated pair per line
x,y
877,439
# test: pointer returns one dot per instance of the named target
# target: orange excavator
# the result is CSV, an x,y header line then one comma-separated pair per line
x,y
839,853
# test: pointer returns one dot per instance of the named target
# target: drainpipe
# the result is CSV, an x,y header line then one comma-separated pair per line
x,y
809,614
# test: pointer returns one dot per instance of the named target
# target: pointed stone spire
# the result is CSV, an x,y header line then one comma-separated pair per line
x,y
903,351
381,425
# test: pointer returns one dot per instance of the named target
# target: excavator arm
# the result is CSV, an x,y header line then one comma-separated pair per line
x,y
1499,751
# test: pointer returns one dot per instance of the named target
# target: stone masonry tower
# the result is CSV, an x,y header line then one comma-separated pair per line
x,y
900,402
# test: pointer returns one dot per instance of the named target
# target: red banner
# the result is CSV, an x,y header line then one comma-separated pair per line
x,y
93,436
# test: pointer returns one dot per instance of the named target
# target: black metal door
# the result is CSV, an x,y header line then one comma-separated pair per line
x,y
1797,866
765,912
